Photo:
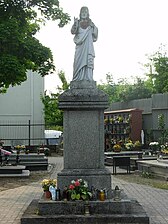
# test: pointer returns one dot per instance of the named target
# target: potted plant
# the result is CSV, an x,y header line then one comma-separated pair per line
x,y
117,148
78,190
129,145
46,183
120,119
111,120
105,121
164,148
154,146
137,145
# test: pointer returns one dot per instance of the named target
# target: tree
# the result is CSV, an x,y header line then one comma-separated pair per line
x,y
139,90
19,49
65,84
122,90
52,114
158,65
110,88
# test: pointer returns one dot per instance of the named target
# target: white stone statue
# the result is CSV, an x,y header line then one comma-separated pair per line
x,y
85,34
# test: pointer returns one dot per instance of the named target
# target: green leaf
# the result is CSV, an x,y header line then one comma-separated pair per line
x,y
73,196
84,196
77,196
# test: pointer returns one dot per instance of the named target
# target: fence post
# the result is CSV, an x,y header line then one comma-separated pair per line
x,y
29,132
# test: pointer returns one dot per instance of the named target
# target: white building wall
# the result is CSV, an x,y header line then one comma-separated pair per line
x,y
20,105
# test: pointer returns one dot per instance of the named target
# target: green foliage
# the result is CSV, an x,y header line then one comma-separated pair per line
x,y
19,49
65,84
164,132
161,121
122,90
52,114
79,190
112,89
138,90
146,174
158,64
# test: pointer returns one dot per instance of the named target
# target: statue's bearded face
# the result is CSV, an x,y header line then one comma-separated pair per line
x,y
84,13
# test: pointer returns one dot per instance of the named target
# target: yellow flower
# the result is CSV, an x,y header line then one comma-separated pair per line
x,y
18,146
46,183
116,146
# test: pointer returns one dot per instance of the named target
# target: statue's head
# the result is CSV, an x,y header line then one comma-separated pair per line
x,y
84,13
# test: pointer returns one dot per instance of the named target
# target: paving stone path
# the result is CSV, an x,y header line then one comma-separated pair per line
x,y
13,202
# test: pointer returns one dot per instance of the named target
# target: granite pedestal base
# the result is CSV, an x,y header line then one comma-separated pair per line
x,y
95,212
83,105
101,178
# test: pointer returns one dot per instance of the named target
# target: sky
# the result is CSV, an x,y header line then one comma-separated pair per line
x,y
129,30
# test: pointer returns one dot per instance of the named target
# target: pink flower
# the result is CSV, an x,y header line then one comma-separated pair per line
x,y
71,187
77,183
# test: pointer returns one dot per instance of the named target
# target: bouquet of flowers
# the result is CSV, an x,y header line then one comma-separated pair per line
x,y
164,148
79,190
117,148
19,148
137,145
154,146
46,183
129,145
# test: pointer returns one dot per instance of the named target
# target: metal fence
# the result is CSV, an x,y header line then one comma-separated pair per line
x,y
13,134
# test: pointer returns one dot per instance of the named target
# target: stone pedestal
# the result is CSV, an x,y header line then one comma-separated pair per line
x,y
83,105
75,212
83,135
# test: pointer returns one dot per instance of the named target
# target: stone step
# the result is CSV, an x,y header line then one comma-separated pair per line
x,y
27,158
14,171
137,215
36,166
25,173
32,163
29,155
